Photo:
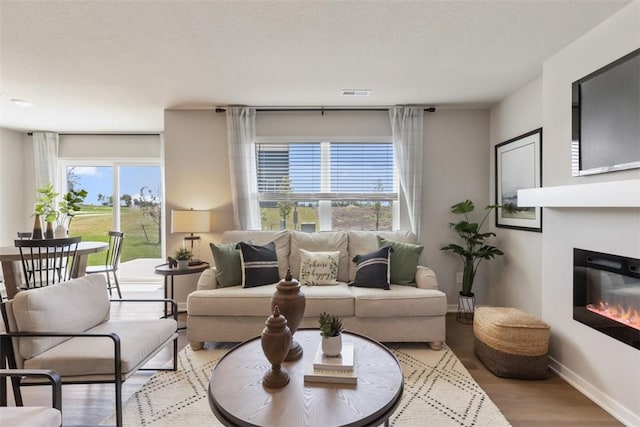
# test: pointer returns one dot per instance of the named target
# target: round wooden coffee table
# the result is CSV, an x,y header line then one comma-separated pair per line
x,y
238,398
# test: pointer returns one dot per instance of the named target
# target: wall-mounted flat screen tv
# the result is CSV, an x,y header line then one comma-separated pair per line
x,y
606,118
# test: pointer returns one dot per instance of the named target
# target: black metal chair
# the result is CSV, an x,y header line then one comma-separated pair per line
x,y
47,262
112,261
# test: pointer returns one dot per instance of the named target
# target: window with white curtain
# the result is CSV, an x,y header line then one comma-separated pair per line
x,y
312,185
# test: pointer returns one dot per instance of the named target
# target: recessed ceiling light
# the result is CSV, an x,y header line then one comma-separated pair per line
x,y
355,92
22,102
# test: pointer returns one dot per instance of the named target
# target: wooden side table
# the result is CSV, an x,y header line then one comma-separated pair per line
x,y
237,396
168,272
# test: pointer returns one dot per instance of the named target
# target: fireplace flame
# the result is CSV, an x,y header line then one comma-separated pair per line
x,y
628,316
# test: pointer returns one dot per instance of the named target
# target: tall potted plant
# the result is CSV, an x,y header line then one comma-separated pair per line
x,y
45,208
474,247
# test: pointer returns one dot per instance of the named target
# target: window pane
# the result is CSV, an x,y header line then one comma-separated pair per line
x,y
140,212
95,219
300,216
362,215
361,168
358,178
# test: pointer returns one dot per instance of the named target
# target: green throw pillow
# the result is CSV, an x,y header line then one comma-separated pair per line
x,y
228,264
403,262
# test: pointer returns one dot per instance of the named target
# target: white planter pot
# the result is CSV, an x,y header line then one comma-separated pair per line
x,y
61,232
332,346
183,264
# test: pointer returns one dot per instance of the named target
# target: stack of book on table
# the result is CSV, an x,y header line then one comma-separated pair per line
x,y
339,369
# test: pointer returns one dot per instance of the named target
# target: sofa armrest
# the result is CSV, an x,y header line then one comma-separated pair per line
x,y
208,279
426,278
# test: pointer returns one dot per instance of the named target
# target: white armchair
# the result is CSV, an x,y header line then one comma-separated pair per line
x,y
66,328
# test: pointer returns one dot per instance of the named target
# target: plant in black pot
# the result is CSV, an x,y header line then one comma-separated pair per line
x,y
474,247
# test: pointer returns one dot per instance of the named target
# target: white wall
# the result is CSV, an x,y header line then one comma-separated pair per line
x,y
196,176
455,168
13,215
603,368
516,276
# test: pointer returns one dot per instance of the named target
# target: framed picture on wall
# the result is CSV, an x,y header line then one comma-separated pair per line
x,y
518,164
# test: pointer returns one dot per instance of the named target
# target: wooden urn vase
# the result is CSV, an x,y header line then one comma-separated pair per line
x,y
291,301
275,340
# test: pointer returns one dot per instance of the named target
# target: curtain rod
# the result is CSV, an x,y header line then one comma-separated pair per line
x,y
323,109
105,134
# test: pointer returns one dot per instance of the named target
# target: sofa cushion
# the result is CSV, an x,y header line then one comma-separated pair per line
x,y
74,306
259,264
139,338
258,237
322,241
373,269
236,301
232,301
362,242
319,268
337,300
399,301
403,261
228,264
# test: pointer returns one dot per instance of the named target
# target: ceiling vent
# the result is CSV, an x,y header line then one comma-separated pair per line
x,y
355,92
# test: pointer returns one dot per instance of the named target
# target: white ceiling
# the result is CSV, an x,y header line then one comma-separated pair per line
x,y
114,66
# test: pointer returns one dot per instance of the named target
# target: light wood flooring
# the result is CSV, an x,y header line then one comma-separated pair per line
x,y
548,403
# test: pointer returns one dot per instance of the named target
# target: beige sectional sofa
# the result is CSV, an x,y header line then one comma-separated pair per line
x,y
402,314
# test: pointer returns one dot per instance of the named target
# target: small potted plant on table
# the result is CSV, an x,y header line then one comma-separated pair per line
x,y
331,331
183,255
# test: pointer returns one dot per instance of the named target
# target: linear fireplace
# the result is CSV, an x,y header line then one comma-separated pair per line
x,y
606,294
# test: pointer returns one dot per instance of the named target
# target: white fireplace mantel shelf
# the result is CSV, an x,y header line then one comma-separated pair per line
x,y
611,194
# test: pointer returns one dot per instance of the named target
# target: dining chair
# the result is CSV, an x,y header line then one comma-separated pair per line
x,y
48,261
111,262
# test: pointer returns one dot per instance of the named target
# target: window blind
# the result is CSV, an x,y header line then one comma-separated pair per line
x,y
326,171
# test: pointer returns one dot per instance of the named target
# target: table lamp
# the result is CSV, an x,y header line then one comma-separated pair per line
x,y
190,221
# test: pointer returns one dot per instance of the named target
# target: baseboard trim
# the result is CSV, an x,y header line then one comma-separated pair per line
x,y
620,412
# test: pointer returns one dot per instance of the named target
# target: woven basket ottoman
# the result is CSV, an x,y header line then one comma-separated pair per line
x,y
511,343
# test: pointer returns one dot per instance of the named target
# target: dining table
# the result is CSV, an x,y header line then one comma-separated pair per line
x,y
12,271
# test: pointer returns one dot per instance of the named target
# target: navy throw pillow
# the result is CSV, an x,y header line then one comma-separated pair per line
x,y
259,264
373,269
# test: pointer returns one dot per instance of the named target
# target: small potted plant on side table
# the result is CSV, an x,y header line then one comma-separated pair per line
x,y
183,255
331,331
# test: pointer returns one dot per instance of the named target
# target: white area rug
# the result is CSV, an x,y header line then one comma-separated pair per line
x,y
438,391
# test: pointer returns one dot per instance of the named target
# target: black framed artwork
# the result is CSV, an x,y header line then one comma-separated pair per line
x,y
518,166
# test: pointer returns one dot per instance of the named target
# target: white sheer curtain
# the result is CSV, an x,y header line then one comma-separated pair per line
x,y
45,151
241,132
406,128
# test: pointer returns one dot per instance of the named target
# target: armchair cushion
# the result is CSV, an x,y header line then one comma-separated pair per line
x,y
77,356
48,310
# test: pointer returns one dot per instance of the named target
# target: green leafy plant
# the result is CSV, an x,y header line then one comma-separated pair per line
x,y
46,203
70,204
475,247
182,254
330,325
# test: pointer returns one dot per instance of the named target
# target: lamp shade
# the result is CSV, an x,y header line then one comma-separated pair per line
x,y
183,221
